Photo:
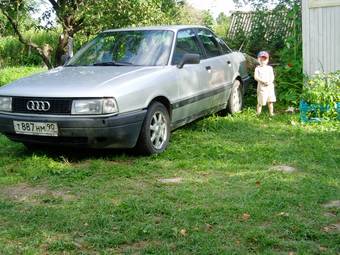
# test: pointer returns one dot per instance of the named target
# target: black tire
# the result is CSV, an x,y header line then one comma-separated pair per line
x,y
235,102
145,144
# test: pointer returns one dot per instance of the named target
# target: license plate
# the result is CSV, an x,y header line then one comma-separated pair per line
x,y
36,128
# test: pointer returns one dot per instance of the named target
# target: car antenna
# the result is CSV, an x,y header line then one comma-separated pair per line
x,y
242,45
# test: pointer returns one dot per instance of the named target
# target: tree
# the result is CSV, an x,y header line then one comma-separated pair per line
x,y
13,11
207,19
70,16
222,25
188,14
89,17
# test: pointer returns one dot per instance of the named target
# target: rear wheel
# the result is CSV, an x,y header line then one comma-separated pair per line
x,y
155,133
235,102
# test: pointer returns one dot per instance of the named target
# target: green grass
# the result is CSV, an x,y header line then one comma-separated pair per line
x,y
112,202
10,74
230,200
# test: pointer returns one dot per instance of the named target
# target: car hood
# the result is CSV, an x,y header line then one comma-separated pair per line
x,y
84,81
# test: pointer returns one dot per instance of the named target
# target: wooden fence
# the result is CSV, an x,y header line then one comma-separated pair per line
x,y
277,23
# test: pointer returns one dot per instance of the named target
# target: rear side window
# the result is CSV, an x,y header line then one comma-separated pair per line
x,y
186,42
210,43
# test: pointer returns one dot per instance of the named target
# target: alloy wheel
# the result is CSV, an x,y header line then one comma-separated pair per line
x,y
158,130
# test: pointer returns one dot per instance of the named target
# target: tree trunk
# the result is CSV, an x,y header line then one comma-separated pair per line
x,y
65,47
61,49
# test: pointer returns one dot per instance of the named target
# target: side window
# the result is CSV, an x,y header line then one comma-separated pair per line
x,y
224,47
211,46
186,42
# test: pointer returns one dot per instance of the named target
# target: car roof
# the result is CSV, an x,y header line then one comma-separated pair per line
x,y
174,28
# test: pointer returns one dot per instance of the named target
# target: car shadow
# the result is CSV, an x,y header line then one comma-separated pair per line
x,y
73,154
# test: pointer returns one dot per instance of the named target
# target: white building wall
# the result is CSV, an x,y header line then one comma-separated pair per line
x,y
321,35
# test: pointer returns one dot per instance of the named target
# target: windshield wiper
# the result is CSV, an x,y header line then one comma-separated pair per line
x,y
113,63
74,65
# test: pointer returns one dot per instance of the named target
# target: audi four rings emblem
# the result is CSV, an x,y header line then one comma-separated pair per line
x,y
40,106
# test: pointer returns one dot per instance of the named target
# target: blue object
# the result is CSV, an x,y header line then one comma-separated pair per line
x,y
306,108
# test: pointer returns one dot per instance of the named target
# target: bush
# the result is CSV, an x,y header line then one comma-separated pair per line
x,y
14,53
322,91
10,74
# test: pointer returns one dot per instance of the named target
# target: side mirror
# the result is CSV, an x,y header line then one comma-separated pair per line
x,y
189,59
64,59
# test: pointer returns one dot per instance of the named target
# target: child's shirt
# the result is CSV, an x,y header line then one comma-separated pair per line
x,y
264,75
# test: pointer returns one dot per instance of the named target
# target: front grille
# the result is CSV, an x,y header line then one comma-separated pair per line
x,y
59,106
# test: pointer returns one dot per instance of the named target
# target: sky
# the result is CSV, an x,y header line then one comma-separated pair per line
x,y
215,6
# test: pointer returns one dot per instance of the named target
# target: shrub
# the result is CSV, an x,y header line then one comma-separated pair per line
x,y
14,53
323,91
10,74
289,81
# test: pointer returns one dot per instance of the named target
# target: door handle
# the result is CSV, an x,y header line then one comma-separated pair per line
x,y
208,68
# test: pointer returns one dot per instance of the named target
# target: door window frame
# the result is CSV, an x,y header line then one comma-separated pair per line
x,y
202,45
199,43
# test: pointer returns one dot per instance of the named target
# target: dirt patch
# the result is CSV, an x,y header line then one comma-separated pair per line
x,y
329,214
171,180
87,163
333,228
127,162
284,168
332,204
136,248
27,193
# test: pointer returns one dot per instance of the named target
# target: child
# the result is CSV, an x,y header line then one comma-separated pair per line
x,y
264,75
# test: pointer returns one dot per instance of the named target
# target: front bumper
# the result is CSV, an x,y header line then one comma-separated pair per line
x,y
120,131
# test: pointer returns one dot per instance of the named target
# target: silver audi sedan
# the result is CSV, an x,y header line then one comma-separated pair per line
x,y
126,88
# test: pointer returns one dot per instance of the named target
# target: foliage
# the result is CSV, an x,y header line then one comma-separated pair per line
x,y
289,74
23,16
324,90
266,4
221,25
207,19
14,53
10,74
286,52
86,18
14,11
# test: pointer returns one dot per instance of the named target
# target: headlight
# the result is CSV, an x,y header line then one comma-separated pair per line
x,y
5,104
94,106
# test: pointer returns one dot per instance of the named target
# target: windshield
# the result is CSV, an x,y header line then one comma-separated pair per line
x,y
121,48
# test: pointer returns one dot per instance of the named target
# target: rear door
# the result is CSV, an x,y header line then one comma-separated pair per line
x,y
192,80
218,61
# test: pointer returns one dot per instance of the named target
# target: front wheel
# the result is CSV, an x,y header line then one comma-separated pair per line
x,y
235,102
155,133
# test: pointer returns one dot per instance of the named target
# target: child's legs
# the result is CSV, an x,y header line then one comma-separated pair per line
x,y
259,109
261,101
271,108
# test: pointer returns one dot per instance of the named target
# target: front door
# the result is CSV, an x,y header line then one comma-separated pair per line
x,y
192,80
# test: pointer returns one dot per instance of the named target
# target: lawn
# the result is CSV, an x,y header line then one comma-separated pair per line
x,y
226,185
